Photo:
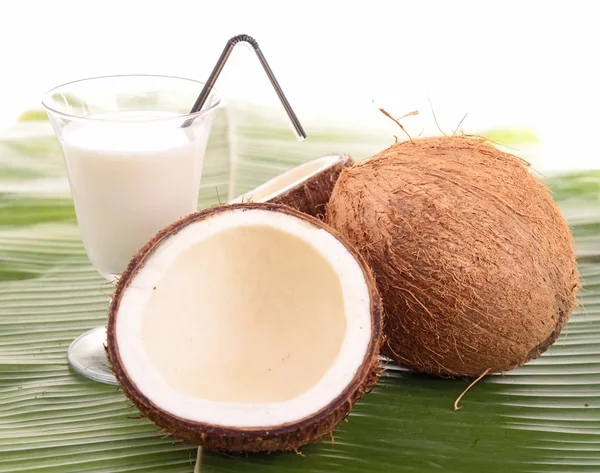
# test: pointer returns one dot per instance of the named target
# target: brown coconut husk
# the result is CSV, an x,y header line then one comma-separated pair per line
x,y
261,439
473,259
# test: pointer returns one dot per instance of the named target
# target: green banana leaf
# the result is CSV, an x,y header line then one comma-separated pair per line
x,y
543,417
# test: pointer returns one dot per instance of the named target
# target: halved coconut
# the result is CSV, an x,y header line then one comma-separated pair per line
x,y
247,327
306,188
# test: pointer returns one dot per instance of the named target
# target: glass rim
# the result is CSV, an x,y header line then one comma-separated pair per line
x,y
204,111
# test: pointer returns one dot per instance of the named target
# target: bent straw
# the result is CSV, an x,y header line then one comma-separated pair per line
x,y
300,133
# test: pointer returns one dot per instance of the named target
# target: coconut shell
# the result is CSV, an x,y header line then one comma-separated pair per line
x,y
473,259
311,196
269,438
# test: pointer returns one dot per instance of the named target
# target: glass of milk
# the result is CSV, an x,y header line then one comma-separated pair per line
x,y
134,159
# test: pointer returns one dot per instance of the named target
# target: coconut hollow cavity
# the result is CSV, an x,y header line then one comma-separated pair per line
x,y
473,260
306,188
246,327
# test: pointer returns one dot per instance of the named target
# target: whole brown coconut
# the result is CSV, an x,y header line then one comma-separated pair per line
x,y
473,260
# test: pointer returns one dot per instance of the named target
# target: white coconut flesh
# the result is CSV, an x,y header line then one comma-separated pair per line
x,y
248,318
289,179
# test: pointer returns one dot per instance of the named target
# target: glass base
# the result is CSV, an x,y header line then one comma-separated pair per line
x,y
88,357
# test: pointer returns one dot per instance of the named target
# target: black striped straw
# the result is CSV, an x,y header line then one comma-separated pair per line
x,y
200,101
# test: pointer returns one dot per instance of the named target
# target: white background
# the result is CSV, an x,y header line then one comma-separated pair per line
x,y
511,63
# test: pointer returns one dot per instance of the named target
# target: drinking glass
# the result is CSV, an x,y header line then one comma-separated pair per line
x,y
134,159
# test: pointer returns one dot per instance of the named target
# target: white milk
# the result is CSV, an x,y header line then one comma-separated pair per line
x,y
131,178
